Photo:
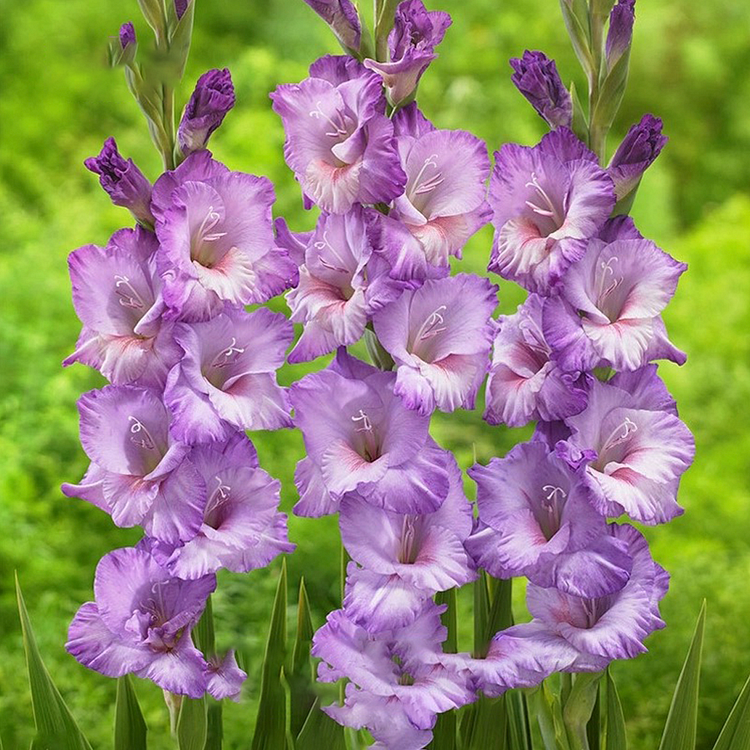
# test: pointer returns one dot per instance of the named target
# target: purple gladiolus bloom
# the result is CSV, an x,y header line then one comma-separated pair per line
x,y
360,438
525,384
620,33
141,623
536,77
295,243
342,17
339,143
395,690
216,235
633,452
609,310
117,296
605,628
443,204
440,336
636,154
410,121
548,201
209,103
405,559
242,528
411,43
226,379
125,184
127,35
138,474
537,520
341,284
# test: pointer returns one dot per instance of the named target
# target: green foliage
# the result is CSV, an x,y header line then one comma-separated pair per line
x,y
130,727
615,719
736,732
192,724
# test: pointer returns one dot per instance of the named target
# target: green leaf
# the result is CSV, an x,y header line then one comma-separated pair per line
x,y
579,706
192,724
484,725
580,123
519,731
56,729
320,731
203,632
130,727
682,720
482,606
270,728
300,677
444,734
611,94
615,719
736,732
215,727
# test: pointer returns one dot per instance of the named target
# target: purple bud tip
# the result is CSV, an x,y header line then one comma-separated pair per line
x,y
212,98
536,77
642,144
127,35
109,165
620,33
180,7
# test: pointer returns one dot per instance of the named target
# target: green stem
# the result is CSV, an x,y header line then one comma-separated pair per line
x,y
598,133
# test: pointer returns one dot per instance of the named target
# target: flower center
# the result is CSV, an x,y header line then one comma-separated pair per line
x,y
368,446
202,249
325,244
409,549
552,504
545,206
213,516
617,437
140,436
607,283
425,182
128,296
338,126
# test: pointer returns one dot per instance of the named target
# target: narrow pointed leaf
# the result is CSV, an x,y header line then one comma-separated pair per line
x,y
56,729
301,677
519,733
482,606
579,706
271,725
616,735
203,633
484,725
593,728
444,735
449,619
320,731
130,727
736,732
215,727
682,720
192,724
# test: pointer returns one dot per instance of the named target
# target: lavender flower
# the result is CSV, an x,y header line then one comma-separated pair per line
x,y
295,243
360,438
209,103
525,383
341,284
394,691
138,474
548,201
536,77
609,309
242,528
117,296
226,379
224,677
443,204
538,521
620,33
411,43
342,17
633,452
405,559
440,336
636,154
602,628
127,35
122,180
141,622
216,239
339,143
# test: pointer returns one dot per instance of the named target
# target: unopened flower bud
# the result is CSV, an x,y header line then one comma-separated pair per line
x,y
127,35
536,77
620,33
636,153
342,17
180,6
212,98
125,184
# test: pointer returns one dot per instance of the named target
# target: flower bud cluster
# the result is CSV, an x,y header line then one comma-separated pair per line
x,y
164,320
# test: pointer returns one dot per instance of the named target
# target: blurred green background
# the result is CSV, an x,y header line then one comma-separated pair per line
x,y
58,101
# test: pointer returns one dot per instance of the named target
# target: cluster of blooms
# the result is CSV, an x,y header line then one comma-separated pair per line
x,y
398,197
162,307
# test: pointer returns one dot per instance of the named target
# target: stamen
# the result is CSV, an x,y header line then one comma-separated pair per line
x,y
430,327
554,493
144,440
366,423
607,270
418,187
129,297
325,244
620,434
211,219
551,210
339,128
408,537
228,356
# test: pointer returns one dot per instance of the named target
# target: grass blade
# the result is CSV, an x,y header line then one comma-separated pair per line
x,y
301,678
56,729
736,732
130,726
615,718
320,731
271,726
682,720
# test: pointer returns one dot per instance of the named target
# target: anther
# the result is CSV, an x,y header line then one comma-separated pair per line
x,y
366,423
338,127
433,325
127,293
144,439
228,356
